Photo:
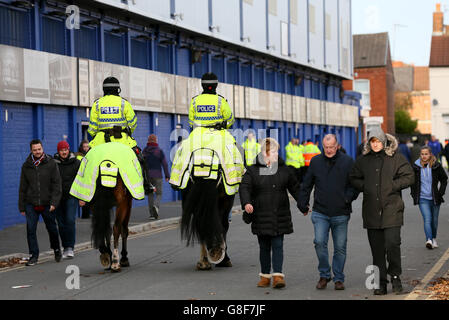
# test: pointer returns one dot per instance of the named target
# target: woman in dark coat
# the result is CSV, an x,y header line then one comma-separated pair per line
x,y
263,195
381,173
429,173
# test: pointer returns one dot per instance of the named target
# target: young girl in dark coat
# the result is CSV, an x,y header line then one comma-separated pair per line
x,y
263,195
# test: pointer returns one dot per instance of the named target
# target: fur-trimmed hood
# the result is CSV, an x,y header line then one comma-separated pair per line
x,y
390,148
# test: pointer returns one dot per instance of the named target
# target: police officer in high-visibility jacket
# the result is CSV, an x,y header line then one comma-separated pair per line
x,y
210,109
310,151
251,148
294,157
112,119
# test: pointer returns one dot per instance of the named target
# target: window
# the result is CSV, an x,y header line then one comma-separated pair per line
x,y
294,11
312,19
272,7
284,38
363,86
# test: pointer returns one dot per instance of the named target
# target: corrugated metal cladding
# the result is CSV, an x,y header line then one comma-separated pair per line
x,y
21,122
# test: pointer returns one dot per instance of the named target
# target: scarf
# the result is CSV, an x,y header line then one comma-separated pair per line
x,y
37,162
152,144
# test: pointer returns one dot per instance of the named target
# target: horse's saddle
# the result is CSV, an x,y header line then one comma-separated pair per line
x,y
205,154
105,162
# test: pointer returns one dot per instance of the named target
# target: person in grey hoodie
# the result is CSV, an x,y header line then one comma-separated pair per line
x,y
381,173
426,193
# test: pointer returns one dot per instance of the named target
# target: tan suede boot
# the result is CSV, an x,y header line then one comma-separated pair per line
x,y
278,280
265,280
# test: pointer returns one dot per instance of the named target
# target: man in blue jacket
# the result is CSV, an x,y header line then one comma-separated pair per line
x,y
329,173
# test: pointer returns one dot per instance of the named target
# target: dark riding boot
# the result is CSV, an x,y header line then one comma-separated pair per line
x,y
147,186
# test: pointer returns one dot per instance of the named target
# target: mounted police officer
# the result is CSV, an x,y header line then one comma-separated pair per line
x,y
210,109
112,118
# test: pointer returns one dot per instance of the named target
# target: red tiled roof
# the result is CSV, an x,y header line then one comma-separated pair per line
x,y
439,52
421,79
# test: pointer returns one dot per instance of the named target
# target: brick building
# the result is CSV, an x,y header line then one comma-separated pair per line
x,y
412,91
374,79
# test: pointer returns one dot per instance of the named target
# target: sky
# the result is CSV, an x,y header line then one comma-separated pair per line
x,y
409,24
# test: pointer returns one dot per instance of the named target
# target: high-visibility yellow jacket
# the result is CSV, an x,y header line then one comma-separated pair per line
x,y
107,161
252,149
209,109
294,156
310,151
201,155
110,111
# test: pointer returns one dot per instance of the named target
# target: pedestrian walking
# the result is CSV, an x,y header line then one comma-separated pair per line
x,y
39,194
68,166
427,192
155,159
435,146
381,172
329,174
263,195
310,151
82,150
404,149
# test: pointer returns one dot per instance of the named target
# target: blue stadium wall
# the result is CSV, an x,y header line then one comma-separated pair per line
x,y
35,28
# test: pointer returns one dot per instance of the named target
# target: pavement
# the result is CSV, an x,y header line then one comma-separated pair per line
x,y
163,268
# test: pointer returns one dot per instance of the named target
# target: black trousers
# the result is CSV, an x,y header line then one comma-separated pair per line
x,y
386,246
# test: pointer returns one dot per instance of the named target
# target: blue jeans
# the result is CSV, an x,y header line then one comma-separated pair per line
x,y
339,226
430,213
267,245
32,218
66,218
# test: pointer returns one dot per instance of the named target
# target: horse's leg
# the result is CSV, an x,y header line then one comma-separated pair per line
x,y
124,262
121,211
203,263
225,204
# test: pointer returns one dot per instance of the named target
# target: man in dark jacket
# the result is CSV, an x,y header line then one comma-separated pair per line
x,y
329,173
39,193
68,166
403,148
155,159
381,173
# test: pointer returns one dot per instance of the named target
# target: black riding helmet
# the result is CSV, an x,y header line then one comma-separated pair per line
x,y
209,82
111,86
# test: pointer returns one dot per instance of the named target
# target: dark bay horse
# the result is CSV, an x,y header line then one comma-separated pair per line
x,y
205,210
101,205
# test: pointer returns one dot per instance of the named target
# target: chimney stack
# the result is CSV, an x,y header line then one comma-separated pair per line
x,y
438,21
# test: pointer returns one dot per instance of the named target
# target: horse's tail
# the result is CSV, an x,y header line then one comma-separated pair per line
x,y
102,204
200,214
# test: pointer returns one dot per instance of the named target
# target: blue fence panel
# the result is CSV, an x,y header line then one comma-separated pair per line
x,y
218,68
200,68
258,78
269,84
183,62
232,72
290,84
280,82
15,27
139,54
246,75
17,133
114,48
86,43
53,35
55,128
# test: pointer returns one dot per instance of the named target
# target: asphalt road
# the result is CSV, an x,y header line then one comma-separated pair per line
x,y
162,267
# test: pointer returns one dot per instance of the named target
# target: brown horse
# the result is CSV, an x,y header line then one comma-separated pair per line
x,y
101,206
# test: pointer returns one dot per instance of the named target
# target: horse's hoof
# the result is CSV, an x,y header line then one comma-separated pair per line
x,y
225,264
105,260
124,263
201,265
115,267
